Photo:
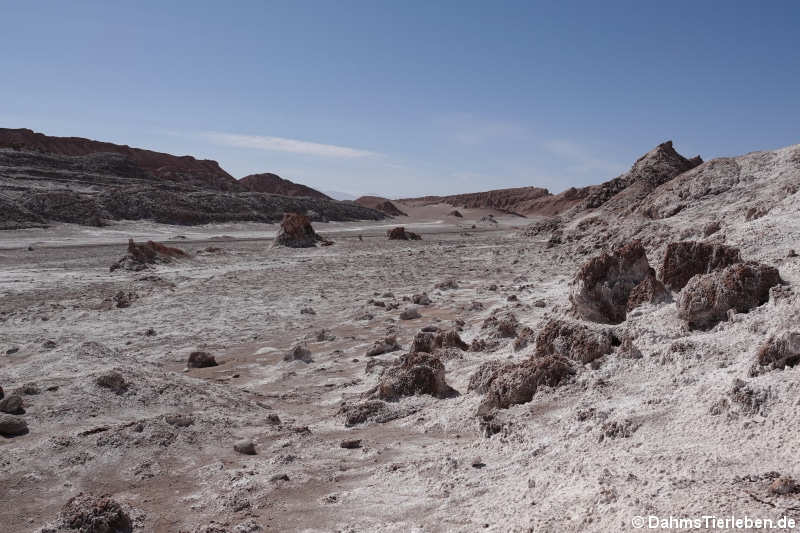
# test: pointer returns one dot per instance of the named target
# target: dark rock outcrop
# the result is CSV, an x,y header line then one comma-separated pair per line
x,y
516,383
649,290
572,341
296,232
686,259
602,286
400,234
415,373
707,298
89,514
142,256
483,377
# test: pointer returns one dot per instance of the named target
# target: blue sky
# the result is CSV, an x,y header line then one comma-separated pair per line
x,y
407,98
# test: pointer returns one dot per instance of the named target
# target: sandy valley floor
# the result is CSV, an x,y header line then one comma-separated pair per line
x,y
624,437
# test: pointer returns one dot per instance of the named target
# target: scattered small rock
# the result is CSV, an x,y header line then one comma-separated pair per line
x,y
11,426
245,447
123,299
351,444
388,344
179,420
447,285
410,313
324,335
112,380
307,311
299,352
201,360
421,299
784,485
29,389
12,404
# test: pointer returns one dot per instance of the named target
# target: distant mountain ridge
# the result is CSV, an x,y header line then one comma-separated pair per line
x,y
381,204
143,163
274,184
70,179
514,200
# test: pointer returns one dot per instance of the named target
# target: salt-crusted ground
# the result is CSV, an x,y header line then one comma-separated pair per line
x,y
663,435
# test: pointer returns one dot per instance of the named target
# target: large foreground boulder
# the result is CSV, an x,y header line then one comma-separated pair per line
x,y
649,290
142,256
400,234
516,383
415,373
572,341
686,259
296,232
601,288
706,299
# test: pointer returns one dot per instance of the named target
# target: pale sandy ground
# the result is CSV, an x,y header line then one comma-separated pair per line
x,y
548,471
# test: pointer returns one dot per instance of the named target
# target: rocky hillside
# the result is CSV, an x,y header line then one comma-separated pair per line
x,y
381,204
37,187
623,193
657,201
274,184
518,200
133,163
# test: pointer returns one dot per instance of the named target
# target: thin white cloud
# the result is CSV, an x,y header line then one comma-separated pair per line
x,y
280,144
